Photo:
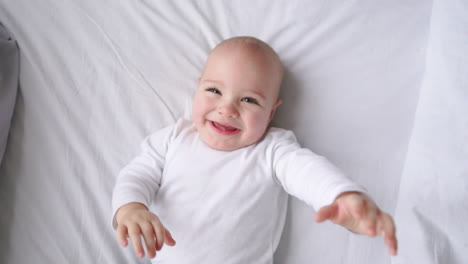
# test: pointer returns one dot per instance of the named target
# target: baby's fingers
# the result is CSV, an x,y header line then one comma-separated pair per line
x,y
134,232
163,236
159,232
122,235
148,235
325,213
168,239
387,230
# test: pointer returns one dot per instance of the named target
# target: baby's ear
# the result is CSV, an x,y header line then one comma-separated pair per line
x,y
273,110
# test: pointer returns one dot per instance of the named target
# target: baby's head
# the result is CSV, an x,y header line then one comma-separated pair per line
x,y
237,93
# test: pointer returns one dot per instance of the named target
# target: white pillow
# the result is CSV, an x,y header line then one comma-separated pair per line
x,y
9,67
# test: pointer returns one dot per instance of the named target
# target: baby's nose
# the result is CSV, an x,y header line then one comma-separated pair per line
x,y
228,110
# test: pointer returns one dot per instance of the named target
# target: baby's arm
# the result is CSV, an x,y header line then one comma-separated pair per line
x,y
358,213
135,220
316,181
135,189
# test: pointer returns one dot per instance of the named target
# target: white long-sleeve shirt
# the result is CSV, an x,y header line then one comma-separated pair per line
x,y
224,206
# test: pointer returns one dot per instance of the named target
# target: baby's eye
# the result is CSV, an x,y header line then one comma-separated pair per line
x,y
213,90
249,100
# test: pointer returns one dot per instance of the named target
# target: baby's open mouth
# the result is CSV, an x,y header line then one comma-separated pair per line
x,y
224,129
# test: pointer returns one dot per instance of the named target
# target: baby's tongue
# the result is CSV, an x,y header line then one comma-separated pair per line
x,y
225,128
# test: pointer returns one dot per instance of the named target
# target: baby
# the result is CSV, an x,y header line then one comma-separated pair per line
x,y
219,183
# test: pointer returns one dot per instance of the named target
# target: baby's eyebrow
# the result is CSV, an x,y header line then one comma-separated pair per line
x,y
259,94
213,81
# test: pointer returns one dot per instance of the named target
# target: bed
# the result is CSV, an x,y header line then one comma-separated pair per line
x,y
379,87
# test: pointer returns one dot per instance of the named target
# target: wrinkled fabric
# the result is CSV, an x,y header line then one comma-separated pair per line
x,y
378,87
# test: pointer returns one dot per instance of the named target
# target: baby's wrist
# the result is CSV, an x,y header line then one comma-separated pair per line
x,y
348,193
129,207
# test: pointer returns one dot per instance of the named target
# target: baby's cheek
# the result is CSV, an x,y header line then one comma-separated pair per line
x,y
198,109
260,125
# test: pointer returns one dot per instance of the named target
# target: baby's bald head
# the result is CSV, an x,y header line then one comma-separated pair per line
x,y
254,51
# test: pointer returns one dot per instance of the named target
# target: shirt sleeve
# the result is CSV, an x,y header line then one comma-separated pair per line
x,y
139,180
306,175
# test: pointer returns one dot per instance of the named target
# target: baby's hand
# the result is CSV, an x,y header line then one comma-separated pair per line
x,y
134,220
358,213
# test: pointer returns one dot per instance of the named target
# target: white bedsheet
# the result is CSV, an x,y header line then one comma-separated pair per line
x,y
432,209
379,87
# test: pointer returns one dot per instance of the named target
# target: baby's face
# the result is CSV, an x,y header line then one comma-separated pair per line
x,y
236,97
